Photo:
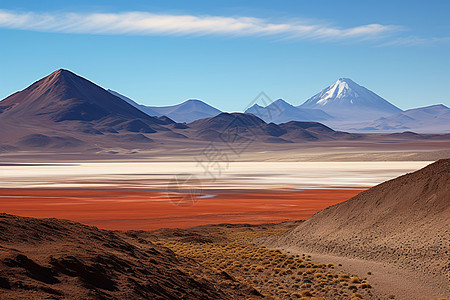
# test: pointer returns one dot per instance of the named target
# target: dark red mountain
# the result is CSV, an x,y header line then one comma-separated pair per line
x,y
63,96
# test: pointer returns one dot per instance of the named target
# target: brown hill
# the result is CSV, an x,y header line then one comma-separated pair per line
x,y
63,96
59,259
240,123
245,125
404,221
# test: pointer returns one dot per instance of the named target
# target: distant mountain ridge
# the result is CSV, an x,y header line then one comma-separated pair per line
x,y
431,119
187,111
144,108
345,105
280,111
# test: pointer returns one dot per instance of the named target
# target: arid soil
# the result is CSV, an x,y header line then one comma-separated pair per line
x,y
404,222
121,209
182,150
58,259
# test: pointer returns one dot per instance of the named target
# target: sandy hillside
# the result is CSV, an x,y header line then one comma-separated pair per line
x,y
58,259
403,222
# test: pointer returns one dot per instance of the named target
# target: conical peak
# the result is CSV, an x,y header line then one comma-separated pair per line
x,y
347,80
61,75
62,72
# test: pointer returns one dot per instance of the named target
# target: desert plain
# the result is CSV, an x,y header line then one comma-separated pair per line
x,y
264,193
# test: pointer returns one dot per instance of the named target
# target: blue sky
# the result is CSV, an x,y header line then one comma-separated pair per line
x,y
226,52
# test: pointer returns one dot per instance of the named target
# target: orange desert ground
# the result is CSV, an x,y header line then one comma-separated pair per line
x,y
147,210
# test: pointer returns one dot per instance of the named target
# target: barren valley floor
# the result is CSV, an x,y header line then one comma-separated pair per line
x,y
152,195
130,197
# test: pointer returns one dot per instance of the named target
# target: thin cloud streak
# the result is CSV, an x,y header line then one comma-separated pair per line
x,y
417,41
144,23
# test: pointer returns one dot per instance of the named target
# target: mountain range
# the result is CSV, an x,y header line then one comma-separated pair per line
x,y
280,111
434,118
344,105
66,111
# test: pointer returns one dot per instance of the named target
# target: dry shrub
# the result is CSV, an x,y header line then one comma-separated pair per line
x,y
355,280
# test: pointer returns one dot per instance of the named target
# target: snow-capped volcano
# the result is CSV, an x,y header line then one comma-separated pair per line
x,y
347,98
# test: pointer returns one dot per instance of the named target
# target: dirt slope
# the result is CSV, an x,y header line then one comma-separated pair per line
x,y
58,259
404,221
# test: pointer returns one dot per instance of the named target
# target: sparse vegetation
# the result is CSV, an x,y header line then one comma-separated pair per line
x,y
365,285
274,274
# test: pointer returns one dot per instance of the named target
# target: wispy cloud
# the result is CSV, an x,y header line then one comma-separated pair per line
x,y
144,23
416,41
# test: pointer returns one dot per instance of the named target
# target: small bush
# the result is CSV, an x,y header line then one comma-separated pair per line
x,y
355,280
366,286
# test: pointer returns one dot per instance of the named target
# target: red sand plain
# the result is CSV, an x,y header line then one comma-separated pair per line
x,y
120,209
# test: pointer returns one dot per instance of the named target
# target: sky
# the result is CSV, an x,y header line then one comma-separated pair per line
x,y
227,52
